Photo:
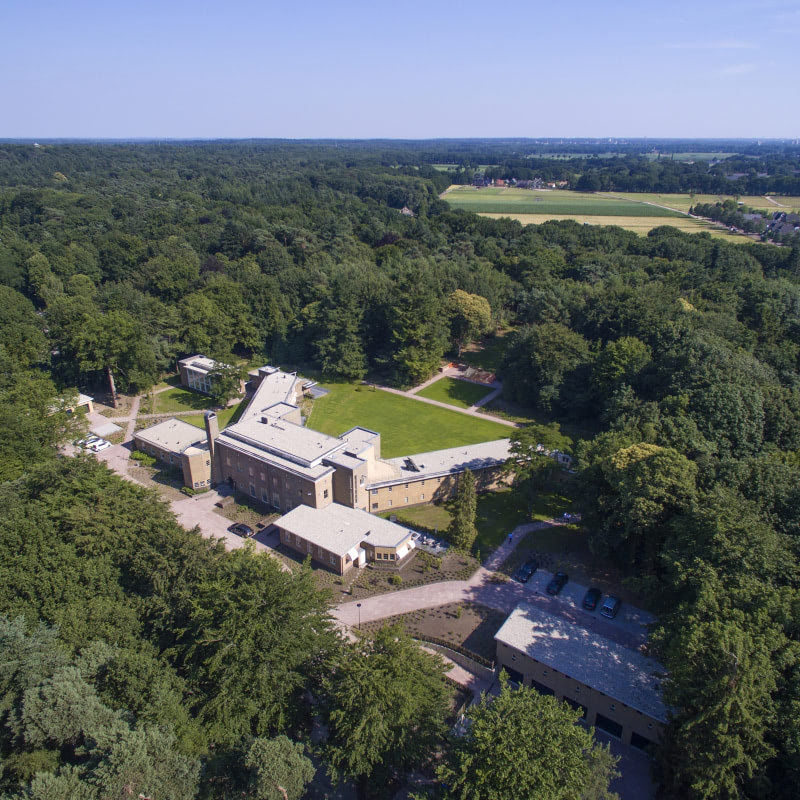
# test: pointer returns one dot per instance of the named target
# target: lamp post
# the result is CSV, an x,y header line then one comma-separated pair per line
x,y
358,606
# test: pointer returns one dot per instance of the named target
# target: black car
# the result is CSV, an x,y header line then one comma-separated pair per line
x,y
592,598
524,573
557,583
242,530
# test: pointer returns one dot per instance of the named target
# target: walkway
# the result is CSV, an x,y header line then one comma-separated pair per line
x,y
486,588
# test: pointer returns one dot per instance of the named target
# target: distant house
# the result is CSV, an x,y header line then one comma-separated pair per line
x,y
406,211
499,182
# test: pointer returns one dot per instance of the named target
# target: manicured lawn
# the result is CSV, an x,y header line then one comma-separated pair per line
x,y
455,392
406,426
225,417
179,399
498,514
172,380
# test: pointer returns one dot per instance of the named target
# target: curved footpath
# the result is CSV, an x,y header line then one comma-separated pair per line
x,y
485,589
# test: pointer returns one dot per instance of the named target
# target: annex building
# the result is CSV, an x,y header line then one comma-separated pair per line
x,y
616,689
180,444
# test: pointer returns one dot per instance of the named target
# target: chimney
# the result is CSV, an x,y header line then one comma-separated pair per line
x,y
212,432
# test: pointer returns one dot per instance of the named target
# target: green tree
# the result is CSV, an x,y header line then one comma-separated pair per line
x,y
470,317
386,708
525,745
531,460
462,532
226,379
279,770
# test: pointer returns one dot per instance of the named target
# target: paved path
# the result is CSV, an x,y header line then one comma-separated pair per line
x,y
484,588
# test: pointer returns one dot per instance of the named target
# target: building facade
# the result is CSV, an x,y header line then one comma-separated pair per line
x,y
616,689
181,445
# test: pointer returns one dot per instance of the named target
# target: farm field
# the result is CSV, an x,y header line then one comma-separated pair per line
x,y
683,202
406,426
641,225
455,392
506,201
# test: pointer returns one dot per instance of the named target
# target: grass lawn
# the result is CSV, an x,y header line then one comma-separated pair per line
x,y
455,392
498,514
225,417
406,426
179,399
172,380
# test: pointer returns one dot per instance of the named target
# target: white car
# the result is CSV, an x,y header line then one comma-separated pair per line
x,y
100,444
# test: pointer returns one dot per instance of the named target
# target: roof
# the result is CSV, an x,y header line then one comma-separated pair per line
x,y
242,445
339,529
200,363
446,462
173,435
301,445
617,671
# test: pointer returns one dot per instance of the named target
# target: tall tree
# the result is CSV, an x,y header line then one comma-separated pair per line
x,y
526,745
386,707
278,768
462,532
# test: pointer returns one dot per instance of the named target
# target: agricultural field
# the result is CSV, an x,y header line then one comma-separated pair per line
x,y
510,201
683,202
640,225
406,425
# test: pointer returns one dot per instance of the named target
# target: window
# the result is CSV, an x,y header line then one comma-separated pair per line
x,y
347,559
613,707
422,483
208,462
608,725
513,656
391,556
252,490
264,496
333,560
406,499
362,480
299,492
422,496
406,486
262,477
374,506
325,493
374,491
250,471
228,460
274,479
390,504
390,488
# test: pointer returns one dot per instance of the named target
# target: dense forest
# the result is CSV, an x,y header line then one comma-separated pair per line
x,y
124,636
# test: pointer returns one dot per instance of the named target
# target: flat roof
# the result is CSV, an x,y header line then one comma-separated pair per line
x,y
286,439
313,473
173,435
338,529
597,662
445,462
198,362
276,387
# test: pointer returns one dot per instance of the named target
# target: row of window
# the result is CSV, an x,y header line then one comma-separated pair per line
x,y
198,381
299,541
385,556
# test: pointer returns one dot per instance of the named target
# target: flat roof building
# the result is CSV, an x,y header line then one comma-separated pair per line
x,y
616,688
342,537
180,444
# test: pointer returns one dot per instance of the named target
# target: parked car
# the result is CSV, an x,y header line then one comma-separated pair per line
x,y
610,607
242,530
557,583
86,441
100,444
592,598
524,573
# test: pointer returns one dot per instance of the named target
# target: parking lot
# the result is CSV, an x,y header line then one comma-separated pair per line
x,y
569,601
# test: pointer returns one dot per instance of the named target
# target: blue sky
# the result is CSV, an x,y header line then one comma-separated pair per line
x,y
402,69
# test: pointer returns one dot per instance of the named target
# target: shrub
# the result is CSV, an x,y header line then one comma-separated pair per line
x,y
395,580
145,459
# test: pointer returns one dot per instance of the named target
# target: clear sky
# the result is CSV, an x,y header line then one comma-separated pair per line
x,y
400,69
